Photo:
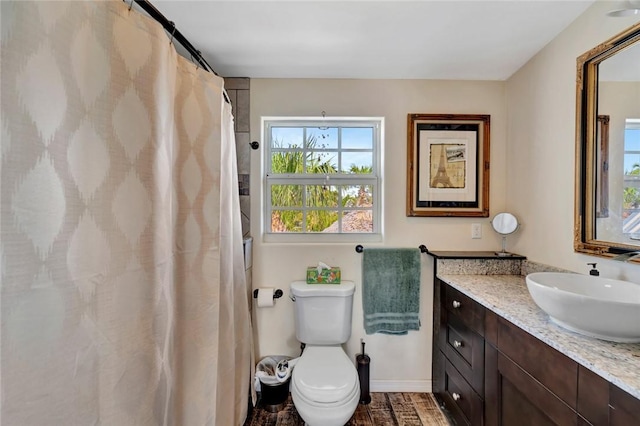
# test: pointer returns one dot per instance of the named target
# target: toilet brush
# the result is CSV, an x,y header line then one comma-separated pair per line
x,y
363,362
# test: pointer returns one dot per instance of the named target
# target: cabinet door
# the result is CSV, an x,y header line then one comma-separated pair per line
x,y
593,397
624,409
522,401
553,369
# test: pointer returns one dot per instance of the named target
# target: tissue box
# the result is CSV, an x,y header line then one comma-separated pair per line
x,y
326,276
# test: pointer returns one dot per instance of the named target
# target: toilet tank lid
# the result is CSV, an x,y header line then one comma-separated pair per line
x,y
302,289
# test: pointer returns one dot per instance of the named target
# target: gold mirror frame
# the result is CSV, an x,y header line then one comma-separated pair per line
x,y
587,199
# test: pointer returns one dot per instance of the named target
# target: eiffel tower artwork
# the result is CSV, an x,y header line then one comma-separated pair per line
x,y
441,179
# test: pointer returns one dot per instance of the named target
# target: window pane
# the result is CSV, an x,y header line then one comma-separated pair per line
x,y
357,196
322,196
632,139
357,162
322,137
629,161
322,162
357,221
286,221
305,167
357,138
631,190
287,162
322,221
286,137
286,195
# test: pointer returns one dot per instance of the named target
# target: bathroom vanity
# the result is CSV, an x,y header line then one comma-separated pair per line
x,y
498,360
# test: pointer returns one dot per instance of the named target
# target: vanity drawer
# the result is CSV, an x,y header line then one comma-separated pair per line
x,y
460,398
465,350
470,312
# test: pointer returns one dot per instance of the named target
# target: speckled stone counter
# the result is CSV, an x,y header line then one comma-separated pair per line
x,y
507,296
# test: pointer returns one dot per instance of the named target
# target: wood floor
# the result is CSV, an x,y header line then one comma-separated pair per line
x,y
385,409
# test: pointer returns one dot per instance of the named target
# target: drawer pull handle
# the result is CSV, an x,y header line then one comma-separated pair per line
x,y
456,396
456,304
457,343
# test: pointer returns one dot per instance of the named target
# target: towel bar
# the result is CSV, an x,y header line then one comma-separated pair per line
x,y
422,247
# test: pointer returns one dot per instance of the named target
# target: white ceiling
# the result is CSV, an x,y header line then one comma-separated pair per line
x,y
428,39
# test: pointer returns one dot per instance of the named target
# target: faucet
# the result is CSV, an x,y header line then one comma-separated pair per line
x,y
593,271
625,257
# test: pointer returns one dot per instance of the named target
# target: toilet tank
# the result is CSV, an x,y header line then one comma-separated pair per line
x,y
322,312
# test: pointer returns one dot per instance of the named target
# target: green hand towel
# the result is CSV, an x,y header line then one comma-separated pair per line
x,y
391,290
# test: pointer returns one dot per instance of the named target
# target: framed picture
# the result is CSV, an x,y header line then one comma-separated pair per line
x,y
448,165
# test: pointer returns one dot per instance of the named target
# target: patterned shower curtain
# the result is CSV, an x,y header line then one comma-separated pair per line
x,y
123,298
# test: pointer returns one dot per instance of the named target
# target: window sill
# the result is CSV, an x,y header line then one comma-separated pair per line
x,y
320,238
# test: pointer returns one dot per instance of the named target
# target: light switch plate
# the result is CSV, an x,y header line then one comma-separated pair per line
x,y
476,231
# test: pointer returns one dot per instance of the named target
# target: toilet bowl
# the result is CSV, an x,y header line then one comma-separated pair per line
x,y
324,386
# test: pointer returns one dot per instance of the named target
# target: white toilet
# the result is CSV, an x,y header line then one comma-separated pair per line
x,y
324,383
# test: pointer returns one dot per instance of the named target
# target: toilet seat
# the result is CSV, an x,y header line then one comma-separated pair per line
x,y
325,376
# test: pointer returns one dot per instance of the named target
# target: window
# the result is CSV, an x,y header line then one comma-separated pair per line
x,y
322,178
631,194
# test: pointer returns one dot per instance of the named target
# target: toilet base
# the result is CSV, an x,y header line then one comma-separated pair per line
x,y
313,416
337,415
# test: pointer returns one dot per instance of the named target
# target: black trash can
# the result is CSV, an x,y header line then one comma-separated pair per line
x,y
273,394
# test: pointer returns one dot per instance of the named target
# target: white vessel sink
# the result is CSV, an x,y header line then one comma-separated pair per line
x,y
597,307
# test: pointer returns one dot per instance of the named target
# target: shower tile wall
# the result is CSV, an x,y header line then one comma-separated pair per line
x,y
238,91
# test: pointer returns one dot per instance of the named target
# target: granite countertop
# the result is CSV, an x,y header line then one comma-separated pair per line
x,y
507,296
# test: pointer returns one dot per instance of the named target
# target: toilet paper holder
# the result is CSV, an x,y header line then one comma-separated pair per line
x,y
276,294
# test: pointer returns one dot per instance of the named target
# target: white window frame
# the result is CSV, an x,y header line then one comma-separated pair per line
x,y
375,179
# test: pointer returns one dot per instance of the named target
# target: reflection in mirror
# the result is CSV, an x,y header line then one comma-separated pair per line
x,y
608,147
602,171
504,224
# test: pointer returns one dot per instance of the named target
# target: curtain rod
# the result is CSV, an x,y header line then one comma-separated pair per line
x,y
170,27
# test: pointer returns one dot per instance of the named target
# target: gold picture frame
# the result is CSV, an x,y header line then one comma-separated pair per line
x,y
448,165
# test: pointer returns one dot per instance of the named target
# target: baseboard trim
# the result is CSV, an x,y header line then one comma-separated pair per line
x,y
400,386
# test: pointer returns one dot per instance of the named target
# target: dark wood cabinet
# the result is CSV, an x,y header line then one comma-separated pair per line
x,y
624,409
593,397
461,340
459,356
519,399
488,371
550,368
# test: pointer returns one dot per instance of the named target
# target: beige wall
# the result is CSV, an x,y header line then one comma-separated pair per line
x,y
541,149
402,363
532,175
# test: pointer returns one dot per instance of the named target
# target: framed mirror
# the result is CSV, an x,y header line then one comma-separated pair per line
x,y
607,205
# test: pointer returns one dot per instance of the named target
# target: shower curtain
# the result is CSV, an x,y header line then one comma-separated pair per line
x,y
123,297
